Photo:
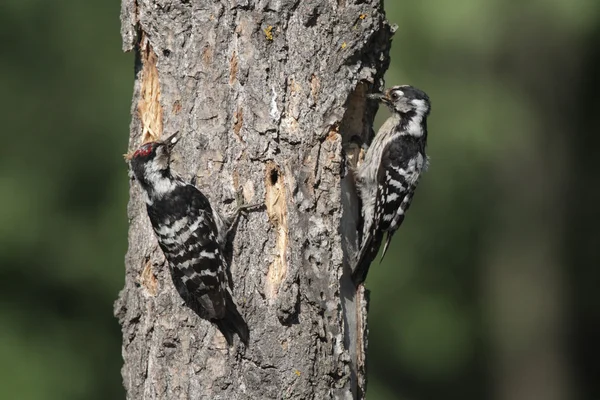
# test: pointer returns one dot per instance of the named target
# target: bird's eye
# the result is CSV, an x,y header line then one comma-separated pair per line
x,y
394,96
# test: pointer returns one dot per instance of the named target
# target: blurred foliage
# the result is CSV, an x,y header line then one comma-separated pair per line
x,y
66,95
489,289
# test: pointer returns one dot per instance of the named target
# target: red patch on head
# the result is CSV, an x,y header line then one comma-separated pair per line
x,y
144,150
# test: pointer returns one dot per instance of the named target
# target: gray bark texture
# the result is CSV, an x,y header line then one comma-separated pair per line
x,y
267,95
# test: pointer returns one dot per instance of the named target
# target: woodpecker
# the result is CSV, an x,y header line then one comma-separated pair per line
x,y
390,172
192,236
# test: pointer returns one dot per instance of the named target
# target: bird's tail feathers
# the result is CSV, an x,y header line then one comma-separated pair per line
x,y
388,239
368,252
233,323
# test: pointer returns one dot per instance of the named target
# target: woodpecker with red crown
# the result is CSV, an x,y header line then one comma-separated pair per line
x,y
192,236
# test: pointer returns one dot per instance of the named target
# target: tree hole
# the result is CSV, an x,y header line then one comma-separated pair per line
x,y
274,176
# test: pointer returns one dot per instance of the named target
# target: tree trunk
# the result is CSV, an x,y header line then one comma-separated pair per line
x,y
267,96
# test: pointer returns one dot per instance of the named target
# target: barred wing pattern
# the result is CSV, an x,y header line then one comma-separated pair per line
x,y
397,177
188,236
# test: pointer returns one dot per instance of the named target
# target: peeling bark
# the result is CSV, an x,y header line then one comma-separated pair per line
x,y
267,96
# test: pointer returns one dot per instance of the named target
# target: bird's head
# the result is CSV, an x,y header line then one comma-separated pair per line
x,y
404,100
152,159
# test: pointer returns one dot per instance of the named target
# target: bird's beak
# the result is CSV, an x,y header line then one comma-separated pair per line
x,y
171,141
380,97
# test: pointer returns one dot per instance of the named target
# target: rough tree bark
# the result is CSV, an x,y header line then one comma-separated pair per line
x,y
267,95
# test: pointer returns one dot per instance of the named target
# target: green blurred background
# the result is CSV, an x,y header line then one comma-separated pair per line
x,y
490,289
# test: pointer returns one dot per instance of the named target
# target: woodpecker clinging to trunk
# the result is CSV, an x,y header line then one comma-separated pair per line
x,y
391,169
191,235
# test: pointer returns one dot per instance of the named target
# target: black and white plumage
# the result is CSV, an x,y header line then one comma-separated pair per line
x,y
390,172
191,235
